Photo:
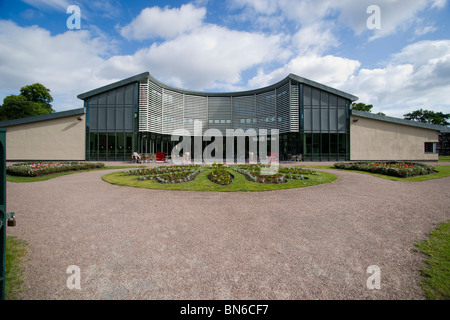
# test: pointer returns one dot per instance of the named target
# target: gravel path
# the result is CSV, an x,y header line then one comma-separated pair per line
x,y
310,243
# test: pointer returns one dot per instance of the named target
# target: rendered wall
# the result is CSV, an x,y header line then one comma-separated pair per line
x,y
381,140
55,139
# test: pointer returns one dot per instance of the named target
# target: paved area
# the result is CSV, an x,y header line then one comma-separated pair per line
x,y
310,243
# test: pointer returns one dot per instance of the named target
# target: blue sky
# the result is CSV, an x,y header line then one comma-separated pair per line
x,y
232,45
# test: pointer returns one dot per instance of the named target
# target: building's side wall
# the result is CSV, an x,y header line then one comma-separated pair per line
x,y
380,140
55,139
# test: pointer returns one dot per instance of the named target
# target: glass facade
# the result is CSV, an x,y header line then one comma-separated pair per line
x,y
111,124
142,115
325,127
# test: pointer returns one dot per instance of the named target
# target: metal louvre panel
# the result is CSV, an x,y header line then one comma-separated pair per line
x,y
143,107
283,108
155,108
195,108
219,113
266,110
294,127
244,113
172,111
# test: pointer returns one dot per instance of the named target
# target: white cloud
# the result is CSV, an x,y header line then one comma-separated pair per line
x,y
314,39
396,15
330,70
439,4
166,23
55,4
420,31
212,57
65,63
418,76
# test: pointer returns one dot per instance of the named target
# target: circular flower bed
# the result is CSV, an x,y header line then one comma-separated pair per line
x,y
206,178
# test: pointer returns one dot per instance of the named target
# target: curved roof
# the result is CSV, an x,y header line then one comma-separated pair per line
x,y
146,75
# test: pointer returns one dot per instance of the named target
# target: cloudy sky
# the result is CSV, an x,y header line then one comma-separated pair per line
x,y
232,45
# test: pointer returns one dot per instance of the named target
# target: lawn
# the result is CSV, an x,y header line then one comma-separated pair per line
x,y
15,251
436,281
444,158
202,183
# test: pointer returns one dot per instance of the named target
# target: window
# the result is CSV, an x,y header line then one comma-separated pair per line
x,y
431,147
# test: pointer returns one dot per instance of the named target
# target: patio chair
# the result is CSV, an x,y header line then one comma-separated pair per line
x,y
160,157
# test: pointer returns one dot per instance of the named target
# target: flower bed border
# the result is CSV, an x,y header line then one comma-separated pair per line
x,y
401,169
171,174
25,169
253,173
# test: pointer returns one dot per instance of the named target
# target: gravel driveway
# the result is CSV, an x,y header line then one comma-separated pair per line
x,y
309,243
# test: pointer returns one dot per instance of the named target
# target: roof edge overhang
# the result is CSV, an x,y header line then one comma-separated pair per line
x,y
43,117
405,122
136,78
146,75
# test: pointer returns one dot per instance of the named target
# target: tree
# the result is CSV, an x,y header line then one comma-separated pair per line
x,y
428,116
362,107
38,93
33,100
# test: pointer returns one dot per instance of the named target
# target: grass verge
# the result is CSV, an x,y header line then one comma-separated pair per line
x,y
441,172
436,282
202,183
20,179
15,252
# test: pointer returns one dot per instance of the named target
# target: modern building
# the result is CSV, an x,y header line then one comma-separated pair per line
x,y
141,113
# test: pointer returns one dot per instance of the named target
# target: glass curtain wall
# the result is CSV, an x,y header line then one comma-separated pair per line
x,y
324,125
110,124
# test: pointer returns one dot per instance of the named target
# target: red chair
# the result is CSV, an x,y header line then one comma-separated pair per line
x,y
160,157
